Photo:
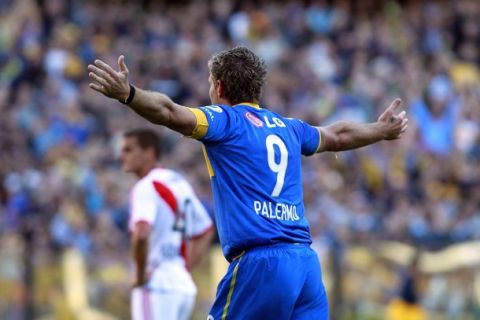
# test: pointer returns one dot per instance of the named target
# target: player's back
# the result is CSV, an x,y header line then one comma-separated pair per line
x,y
254,157
166,201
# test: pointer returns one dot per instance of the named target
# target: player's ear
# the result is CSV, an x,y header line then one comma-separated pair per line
x,y
219,88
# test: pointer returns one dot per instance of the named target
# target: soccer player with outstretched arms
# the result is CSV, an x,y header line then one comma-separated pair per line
x,y
253,158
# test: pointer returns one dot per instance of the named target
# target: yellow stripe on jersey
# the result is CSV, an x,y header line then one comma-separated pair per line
x,y
201,127
207,161
230,291
320,139
250,104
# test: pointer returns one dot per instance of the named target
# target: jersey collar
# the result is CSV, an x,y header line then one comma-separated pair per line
x,y
250,104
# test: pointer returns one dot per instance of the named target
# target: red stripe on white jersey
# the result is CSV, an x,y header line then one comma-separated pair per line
x,y
167,195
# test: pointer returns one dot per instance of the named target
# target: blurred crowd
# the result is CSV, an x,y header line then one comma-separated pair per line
x,y
60,180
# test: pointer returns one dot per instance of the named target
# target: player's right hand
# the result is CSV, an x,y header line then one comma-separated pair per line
x,y
113,84
394,124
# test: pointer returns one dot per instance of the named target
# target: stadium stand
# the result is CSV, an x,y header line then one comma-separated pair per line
x,y
61,187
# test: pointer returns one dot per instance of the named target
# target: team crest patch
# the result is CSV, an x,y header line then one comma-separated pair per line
x,y
254,119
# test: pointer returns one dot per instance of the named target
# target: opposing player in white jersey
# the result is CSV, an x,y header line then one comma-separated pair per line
x,y
170,231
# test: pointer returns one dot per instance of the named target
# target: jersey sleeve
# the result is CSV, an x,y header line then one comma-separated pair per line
x,y
310,137
214,123
199,219
143,204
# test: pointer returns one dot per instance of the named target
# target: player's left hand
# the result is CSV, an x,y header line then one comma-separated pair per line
x,y
139,282
113,84
141,279
395,124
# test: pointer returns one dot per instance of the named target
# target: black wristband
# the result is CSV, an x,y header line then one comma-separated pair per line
x,y
130,95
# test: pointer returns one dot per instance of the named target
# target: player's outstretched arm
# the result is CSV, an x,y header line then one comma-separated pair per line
x,y
342,136
156,107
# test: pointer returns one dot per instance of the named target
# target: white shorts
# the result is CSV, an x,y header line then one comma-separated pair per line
x,y
154,305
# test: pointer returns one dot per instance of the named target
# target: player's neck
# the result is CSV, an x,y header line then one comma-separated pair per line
x,y
145,170
222,101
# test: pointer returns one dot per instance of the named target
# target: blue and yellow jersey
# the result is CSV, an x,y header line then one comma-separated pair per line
x,y
254,160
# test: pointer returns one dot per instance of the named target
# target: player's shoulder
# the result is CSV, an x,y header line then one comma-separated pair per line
x,y
215,109
162,178
155,175
171,178
143,185
164,175
218,113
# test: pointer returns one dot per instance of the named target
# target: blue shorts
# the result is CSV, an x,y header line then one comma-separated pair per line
x,y
282,281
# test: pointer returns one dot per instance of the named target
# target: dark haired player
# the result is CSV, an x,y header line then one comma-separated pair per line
x,y
170,231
